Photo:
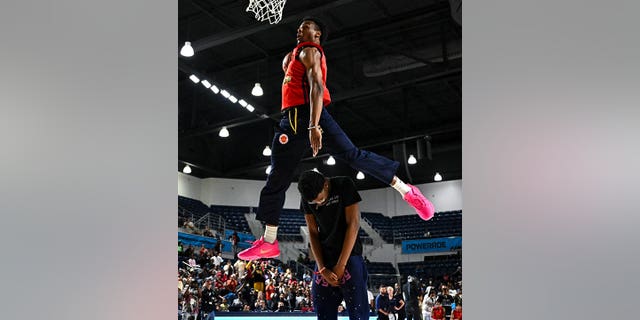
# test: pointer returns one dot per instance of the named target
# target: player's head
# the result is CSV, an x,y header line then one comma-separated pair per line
x,y
311,184
312,29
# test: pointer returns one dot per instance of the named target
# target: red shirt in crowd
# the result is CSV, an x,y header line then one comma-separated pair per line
x,y
269,291
457,314
437,313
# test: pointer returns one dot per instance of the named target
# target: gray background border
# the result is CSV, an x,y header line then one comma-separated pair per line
x,y
550,159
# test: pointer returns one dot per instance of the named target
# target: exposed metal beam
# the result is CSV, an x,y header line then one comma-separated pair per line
x,y
186,68
368,91
364,119
218,20
201,167
453,89
382,8
337,36
216,127
401,52
445,129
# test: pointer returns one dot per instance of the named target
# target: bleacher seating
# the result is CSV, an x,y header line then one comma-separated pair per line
x,y
382,224
391,229
364,237
381,273
408,227
191,208
292,219
432,267
443,224
233,216
381,268
290,222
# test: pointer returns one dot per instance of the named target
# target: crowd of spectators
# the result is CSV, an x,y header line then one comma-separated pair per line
x,y
417,300
189,226
207,283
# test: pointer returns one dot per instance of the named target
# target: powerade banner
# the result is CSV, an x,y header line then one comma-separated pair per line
x,y
431,245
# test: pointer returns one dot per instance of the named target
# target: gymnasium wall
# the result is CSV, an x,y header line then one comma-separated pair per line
x,y
446,196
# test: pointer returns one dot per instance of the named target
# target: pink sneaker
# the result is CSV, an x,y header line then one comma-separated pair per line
x,y
423,207
260,249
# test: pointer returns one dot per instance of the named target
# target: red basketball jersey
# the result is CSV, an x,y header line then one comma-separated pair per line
x,y
295,86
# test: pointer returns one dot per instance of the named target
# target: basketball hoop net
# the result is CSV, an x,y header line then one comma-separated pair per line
x,y
264,10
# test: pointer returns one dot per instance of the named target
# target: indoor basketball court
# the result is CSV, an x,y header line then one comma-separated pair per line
x,y
391,72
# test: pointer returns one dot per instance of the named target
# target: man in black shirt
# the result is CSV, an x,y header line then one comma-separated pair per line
x,y
446,300
208,301
331,211
382,303
411,293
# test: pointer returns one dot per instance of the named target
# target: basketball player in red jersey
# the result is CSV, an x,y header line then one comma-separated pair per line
x,y
306,123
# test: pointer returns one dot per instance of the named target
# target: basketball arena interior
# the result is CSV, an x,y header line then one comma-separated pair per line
x,y
395,77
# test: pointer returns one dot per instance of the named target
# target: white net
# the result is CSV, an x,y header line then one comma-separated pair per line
x,y
267,10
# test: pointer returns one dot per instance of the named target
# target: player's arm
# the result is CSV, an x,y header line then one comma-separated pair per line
x,y
286,61
352,215
310,58
316,250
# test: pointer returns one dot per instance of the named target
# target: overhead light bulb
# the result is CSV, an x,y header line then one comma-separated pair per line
x,y
206,84
186,169
331,161
266,152
437,177
257,90
194,78
412,159
360,175
316,170
187,50
268,171
242,103
215,89
225,93
233,99
224,132
250,108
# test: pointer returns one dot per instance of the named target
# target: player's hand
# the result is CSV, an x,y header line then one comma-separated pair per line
x,y
331,277
339,271
315,138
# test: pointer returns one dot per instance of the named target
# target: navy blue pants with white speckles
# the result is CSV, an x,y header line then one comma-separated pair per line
x,y
353,290
289,146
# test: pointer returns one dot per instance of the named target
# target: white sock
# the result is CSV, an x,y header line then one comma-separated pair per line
x,y
270,233
400,186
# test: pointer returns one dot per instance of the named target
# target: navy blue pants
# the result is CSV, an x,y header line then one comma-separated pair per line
x,y
352,289
291,141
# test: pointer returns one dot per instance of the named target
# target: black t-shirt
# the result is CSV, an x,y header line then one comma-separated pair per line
x,y
446,300
412,292
208,300
331,219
